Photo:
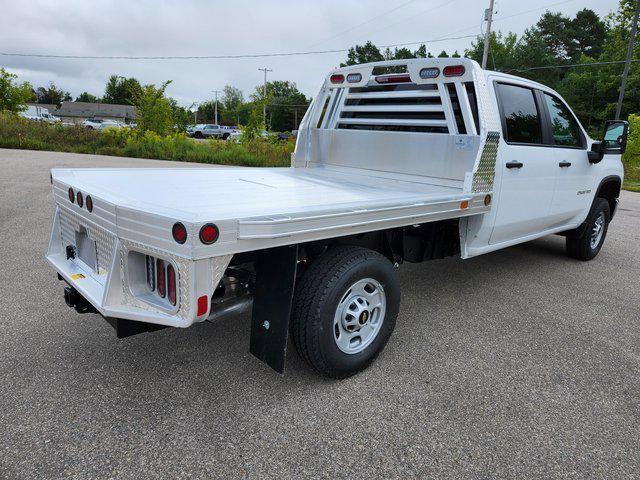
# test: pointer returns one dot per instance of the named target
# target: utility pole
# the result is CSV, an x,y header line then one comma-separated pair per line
x,y
216,106
632,39
488,16
264,94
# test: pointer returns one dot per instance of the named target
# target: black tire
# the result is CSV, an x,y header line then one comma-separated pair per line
x,y
225,136
580,247
198,135
318,295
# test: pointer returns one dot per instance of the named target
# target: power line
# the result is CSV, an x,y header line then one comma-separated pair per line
x,y
363,23
569,65
517,14
213,57
414,16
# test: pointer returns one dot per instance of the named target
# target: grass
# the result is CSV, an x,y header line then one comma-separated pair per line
x,y
17,132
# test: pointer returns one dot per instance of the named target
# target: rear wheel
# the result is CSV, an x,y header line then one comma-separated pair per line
x,y
344,310
588,244
198,135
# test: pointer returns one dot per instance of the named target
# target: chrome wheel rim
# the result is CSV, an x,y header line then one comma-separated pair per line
x,y
597,231
359,316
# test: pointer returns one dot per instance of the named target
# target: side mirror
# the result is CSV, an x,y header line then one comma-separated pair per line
x,y
596,153
615,137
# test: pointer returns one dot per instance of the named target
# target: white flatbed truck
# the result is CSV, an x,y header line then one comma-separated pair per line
x,y
400,161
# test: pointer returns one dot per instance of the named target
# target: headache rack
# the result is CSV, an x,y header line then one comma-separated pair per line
x,y
395,103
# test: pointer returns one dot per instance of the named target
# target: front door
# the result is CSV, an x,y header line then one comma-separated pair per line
x,y
573,185
529,167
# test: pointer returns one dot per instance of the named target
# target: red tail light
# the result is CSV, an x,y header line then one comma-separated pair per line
x,y
79,199
209,234
179,232
401,78
337,78
89,202
72,195
160,275
171,284
453,71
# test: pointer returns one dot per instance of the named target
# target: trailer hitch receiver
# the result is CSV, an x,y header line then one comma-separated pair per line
x,y
73,299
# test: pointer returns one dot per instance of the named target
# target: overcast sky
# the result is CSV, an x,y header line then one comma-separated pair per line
x,y
235,27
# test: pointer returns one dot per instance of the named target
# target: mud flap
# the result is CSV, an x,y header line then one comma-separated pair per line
x,y
275,280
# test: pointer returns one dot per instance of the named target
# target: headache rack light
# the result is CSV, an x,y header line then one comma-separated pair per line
x,y
454,71
394,78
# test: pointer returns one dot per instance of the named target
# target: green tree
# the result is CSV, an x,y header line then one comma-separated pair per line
x,y
87,97
122,91
181,116
254,126
370,53
593,91
501,50
556,32
155,113
232,100
363,54
588,35
52,94
285,104
13,95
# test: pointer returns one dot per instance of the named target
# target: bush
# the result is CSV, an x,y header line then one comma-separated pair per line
x,y
18,132
631,158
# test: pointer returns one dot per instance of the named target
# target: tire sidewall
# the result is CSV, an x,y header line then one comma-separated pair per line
x,y
381,270
601,206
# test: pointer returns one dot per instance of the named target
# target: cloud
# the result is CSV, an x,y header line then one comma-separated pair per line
x,y
199,27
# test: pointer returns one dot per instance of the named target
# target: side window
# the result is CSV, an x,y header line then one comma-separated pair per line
x,y
520,114
563,124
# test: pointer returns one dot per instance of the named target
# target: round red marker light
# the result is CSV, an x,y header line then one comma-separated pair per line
x,y
72,195
209,233
79,199
89,202
179,232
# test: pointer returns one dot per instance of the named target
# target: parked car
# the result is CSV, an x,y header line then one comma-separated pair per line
x,y
39,114
444,160
209,130
101,124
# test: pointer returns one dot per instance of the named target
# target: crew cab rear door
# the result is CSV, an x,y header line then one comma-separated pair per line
x,y
529,167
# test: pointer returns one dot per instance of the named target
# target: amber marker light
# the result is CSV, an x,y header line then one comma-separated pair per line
x,y
464,204
487,200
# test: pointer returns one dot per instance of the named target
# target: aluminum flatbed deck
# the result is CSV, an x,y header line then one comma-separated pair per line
x,y
275,205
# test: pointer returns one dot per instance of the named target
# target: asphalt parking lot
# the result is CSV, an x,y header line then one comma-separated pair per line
x,y
517,364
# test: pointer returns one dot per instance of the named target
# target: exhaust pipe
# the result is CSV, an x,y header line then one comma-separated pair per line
x,y
73,299
231,308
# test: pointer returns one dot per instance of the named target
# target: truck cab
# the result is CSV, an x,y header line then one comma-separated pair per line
x,y
400,161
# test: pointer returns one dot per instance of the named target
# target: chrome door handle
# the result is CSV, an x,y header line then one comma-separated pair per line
x,y
564,164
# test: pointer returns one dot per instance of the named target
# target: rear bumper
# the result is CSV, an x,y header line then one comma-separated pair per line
x,y
111,287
